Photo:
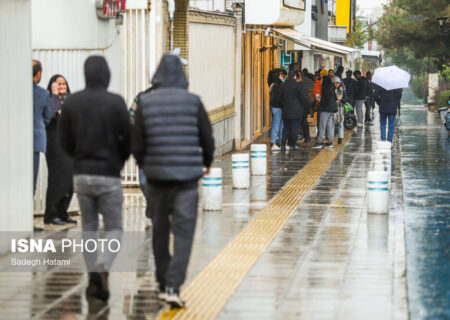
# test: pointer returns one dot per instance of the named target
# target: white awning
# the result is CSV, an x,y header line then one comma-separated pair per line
x,y
314,44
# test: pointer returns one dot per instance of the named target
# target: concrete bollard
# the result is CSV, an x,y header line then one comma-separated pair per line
x,y
384,145
377,192
259,188
259,159
240,171
212,190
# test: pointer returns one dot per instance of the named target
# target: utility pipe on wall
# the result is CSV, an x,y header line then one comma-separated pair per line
x,y
171,7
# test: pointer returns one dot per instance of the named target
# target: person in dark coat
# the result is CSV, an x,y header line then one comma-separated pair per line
x,y
59,163
308,86
350,87
327,108
172,142
95,130
369,102
389,103
360,95
275,91
294,106
41,117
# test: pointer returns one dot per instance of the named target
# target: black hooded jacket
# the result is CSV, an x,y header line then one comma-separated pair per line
x,y
295,102
172,135
95,125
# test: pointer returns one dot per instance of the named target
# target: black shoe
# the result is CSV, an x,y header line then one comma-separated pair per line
x,y
339,140
38,229
56,221
283,148
329,145
98,286
173,298
70,220
318,145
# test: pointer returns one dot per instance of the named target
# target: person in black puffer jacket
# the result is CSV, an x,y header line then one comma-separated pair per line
x,y
327,108
172,142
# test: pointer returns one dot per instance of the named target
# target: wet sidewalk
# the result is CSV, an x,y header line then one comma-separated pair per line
x,y
329,259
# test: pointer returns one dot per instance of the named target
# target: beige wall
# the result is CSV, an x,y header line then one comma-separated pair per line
x,y
16,121
212,63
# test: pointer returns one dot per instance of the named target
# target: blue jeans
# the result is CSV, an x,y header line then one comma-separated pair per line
x,y
277,125
391,125
35,169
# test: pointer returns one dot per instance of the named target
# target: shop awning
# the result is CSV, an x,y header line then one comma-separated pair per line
x,y
312,43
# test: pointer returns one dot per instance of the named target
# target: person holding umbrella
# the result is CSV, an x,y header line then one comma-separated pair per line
x,y
388,93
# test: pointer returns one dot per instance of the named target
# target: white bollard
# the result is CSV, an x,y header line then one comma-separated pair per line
x,y
384,145
259,159
259,188
240,171
377,192
212,190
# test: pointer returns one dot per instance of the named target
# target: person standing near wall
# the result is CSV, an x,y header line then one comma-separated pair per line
x,y
294,105
369,103
360,96
41,117
172,142
307,85
59,163
275,108
95,130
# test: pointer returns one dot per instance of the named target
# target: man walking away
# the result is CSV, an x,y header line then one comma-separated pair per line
x,y
172,141
294,105
350,86
360,95
42,114
95,130
389,102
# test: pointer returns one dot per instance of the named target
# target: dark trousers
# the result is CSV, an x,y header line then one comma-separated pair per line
x,y
290,131
57,208
173,209
305,126
368,105
35,169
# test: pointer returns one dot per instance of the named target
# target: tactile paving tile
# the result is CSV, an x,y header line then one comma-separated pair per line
x,y
208,293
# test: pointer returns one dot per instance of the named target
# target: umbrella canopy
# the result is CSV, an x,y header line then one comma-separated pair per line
x,y
391,77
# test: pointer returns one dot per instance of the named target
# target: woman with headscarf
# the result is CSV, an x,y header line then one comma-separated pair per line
x,y
60,180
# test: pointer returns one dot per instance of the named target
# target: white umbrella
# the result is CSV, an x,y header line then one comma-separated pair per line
x,y
391,77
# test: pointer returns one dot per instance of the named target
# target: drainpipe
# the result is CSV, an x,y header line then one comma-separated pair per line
x,y
171,6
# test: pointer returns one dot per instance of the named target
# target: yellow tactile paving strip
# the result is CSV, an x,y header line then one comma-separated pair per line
x,y
208,293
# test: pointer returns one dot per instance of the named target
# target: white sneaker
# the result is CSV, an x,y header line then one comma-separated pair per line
x,y
359,125
288,147
275,147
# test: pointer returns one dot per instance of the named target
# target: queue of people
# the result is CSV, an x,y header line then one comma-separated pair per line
x,y
326,94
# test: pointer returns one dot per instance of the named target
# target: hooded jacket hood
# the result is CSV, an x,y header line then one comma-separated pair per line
x,y
170,73
96,72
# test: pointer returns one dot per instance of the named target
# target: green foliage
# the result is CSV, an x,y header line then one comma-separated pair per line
x,y
412,25
405,58
420,87
443,98
445,73
359,37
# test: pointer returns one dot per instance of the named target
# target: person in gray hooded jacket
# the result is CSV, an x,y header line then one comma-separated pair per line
x,y
172,141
